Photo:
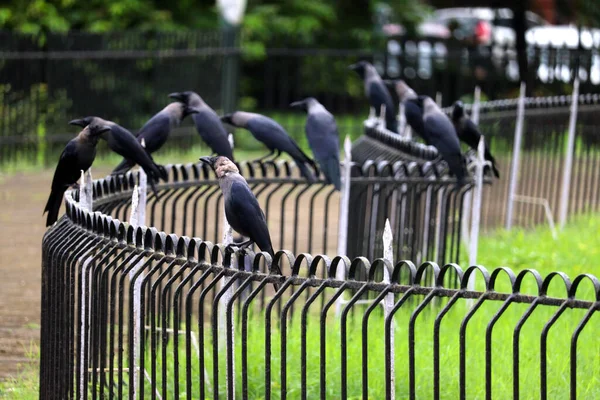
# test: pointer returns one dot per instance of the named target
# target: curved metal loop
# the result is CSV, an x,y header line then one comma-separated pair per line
x,y
423,269
496,273
548,279
332,272
375,265
276,261
450,266
160,240
312,270
256,260
182,246
171,244
524,273
397,272
580,278
204,250
356,264
469,271
301,259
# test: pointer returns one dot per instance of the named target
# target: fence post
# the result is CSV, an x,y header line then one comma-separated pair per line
x,y
468,196
225,299
476,211
514,169
85,190
388,301
401,119
137,218
382,116
568,166
340,274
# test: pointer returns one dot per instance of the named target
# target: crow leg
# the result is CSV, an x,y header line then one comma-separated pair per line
x,y
243,245
277,154
265,157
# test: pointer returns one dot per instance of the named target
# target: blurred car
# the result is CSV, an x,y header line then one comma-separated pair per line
x,y
483,26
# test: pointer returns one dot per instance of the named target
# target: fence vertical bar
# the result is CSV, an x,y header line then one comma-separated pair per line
x,y
476,210
568,166
514,169
340,273
388,301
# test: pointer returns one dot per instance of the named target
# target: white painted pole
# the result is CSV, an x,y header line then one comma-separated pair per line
x,y
134,221
230,139
82,366
568,166
476,211
226,298
476,105
382,116
388,301
401,119
82,193
468,196
438,98
143,190
514,170
372,114
340,274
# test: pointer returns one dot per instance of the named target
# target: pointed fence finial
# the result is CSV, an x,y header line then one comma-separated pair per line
x,y
438,98
230,139
382,116
371,112
135,202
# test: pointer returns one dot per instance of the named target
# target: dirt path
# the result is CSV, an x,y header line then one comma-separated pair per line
x,y
22,199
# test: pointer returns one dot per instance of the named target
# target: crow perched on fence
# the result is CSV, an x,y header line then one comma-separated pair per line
x,y
272,135
469,133
323,138
122,142
156,131
241,206
207,123
412,112
78,155
440,133
377,93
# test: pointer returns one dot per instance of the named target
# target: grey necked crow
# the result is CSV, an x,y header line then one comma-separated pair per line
x,y
242,210
156,131
377,93
78,155
469,133
323,138
122,142
207,123
272,135
440,133
412,112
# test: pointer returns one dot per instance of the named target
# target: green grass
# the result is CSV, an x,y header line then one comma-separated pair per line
x,y
24,386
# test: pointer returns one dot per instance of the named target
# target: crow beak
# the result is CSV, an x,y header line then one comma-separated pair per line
x,y
210,161
78,122
176,96
297,104
353,67
226,118
104,128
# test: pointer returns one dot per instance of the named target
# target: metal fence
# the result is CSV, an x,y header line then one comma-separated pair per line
x,y
126,77
141,313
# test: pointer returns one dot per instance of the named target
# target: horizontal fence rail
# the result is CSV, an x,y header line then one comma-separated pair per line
x,y
136,312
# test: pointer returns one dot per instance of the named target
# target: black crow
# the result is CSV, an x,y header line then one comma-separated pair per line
x,y
122,142
207,123
78,155
377,93
242,210
323,138
156,131
272,135
439,132
469,133
412,112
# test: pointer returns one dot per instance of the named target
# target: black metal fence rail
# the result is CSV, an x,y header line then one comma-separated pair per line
x,y
136,312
